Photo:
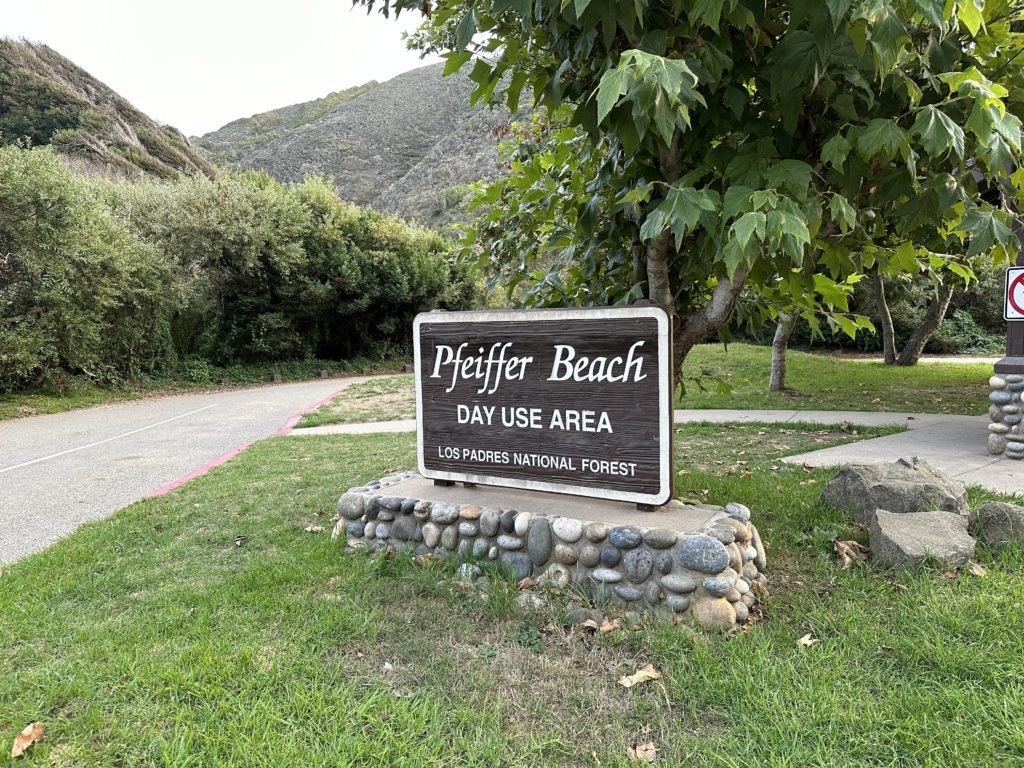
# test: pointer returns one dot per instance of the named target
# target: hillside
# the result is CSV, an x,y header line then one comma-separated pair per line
x,y
396,146
47,99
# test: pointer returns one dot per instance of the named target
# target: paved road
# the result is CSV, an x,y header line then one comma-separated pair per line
x,y
61,470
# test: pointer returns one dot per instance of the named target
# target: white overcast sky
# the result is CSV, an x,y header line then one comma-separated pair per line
x,y
198,64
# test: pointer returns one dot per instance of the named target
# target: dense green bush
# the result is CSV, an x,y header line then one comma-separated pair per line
x,y
119,279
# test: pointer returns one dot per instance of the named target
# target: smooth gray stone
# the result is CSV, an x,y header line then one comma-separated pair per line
x,y
406,529
663,562
351,506
464,550
678,582
737,510
1000,397
539,541
480,548
596,532
354,528
518,562
723,533
589,555
383,531
606,575
431,534
508,521
626,592
565,554
468,528
490,521
392,503
408,505
610,556
719,586
660,538
998,523
506,541
450,537
386,515
637,565
677,603
568,529
444,512
703,553
652,592
910,538
625,537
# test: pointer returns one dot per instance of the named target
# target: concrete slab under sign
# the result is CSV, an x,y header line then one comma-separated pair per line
x,y
676,516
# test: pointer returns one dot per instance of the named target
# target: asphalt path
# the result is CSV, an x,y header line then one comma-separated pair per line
x,y
61,470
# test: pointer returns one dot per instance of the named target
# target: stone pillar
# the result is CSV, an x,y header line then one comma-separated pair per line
x,y
1005,434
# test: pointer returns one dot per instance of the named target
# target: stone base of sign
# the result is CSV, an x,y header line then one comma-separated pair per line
x,y
703,563
1006,438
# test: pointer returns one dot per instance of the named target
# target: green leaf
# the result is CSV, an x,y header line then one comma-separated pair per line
x,y
707,12
454,61
970,13
465,31
881,137
580,6
987,230
614,84
793,176
888,37
833,293
793,61
938,132
746,226
736,200
933,11
837,10
842,212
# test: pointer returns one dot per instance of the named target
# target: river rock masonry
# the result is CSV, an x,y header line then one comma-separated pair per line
x,y
708,576
1005,411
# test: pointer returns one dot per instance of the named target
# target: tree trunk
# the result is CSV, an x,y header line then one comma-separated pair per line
x,y
783,330
933,318
888,334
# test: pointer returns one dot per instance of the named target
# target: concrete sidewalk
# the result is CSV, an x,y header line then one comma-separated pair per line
x,y
954,444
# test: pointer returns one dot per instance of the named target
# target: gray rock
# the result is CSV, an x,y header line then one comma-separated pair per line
x,y
999,429
470,512
720,585
996,444
408,505
518,563
911,537
354,528
606,576
422,510
997,382
538,541
369,529
1011,418
431,534
468,528
660,538
351,506
370,507
385,515
467,572
760,558
568,529
490,521
383,530
421,549
677,603
714,613
596,532
637,565
663,562
742,612
739,511
906,485
391,503
998,523
523,523
509,542
678,582
444,512
1000,397
480,548
450,537
995,412
577,615
464,550
508,521
531,601
626,592
652,592
557,575
610,556
589,555
565,554
625,537
406,529
703,553
723,533
492,553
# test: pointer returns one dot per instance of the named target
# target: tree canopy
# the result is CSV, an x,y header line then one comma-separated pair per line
x,y
690,148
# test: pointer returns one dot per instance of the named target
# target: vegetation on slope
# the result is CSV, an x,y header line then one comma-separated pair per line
x,y
47,99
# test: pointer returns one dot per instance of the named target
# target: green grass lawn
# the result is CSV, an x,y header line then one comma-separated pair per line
x,y
152,638
390,399
825,382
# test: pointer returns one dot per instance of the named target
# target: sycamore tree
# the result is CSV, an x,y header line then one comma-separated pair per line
x,y
715,144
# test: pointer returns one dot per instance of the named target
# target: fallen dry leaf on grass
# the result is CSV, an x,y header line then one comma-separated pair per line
x,y
643,752
526,583
425,559
313,529
32,733
240,540
808,640
848,551
590,624
645,674
976,570
609,625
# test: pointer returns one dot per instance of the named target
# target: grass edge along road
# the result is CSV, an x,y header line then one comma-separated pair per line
x,y
816,381
205,627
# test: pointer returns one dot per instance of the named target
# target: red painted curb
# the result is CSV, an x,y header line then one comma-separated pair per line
x,y
200,471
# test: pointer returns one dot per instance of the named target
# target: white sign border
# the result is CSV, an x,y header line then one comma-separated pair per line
x,y
1006,295
665,415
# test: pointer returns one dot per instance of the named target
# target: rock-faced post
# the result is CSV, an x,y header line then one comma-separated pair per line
x,y
1005,409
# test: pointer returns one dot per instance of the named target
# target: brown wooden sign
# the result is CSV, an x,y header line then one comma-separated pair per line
x,y
570,401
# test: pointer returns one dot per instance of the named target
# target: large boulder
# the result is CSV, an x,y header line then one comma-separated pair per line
x,y
910,538
998,523
907,485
